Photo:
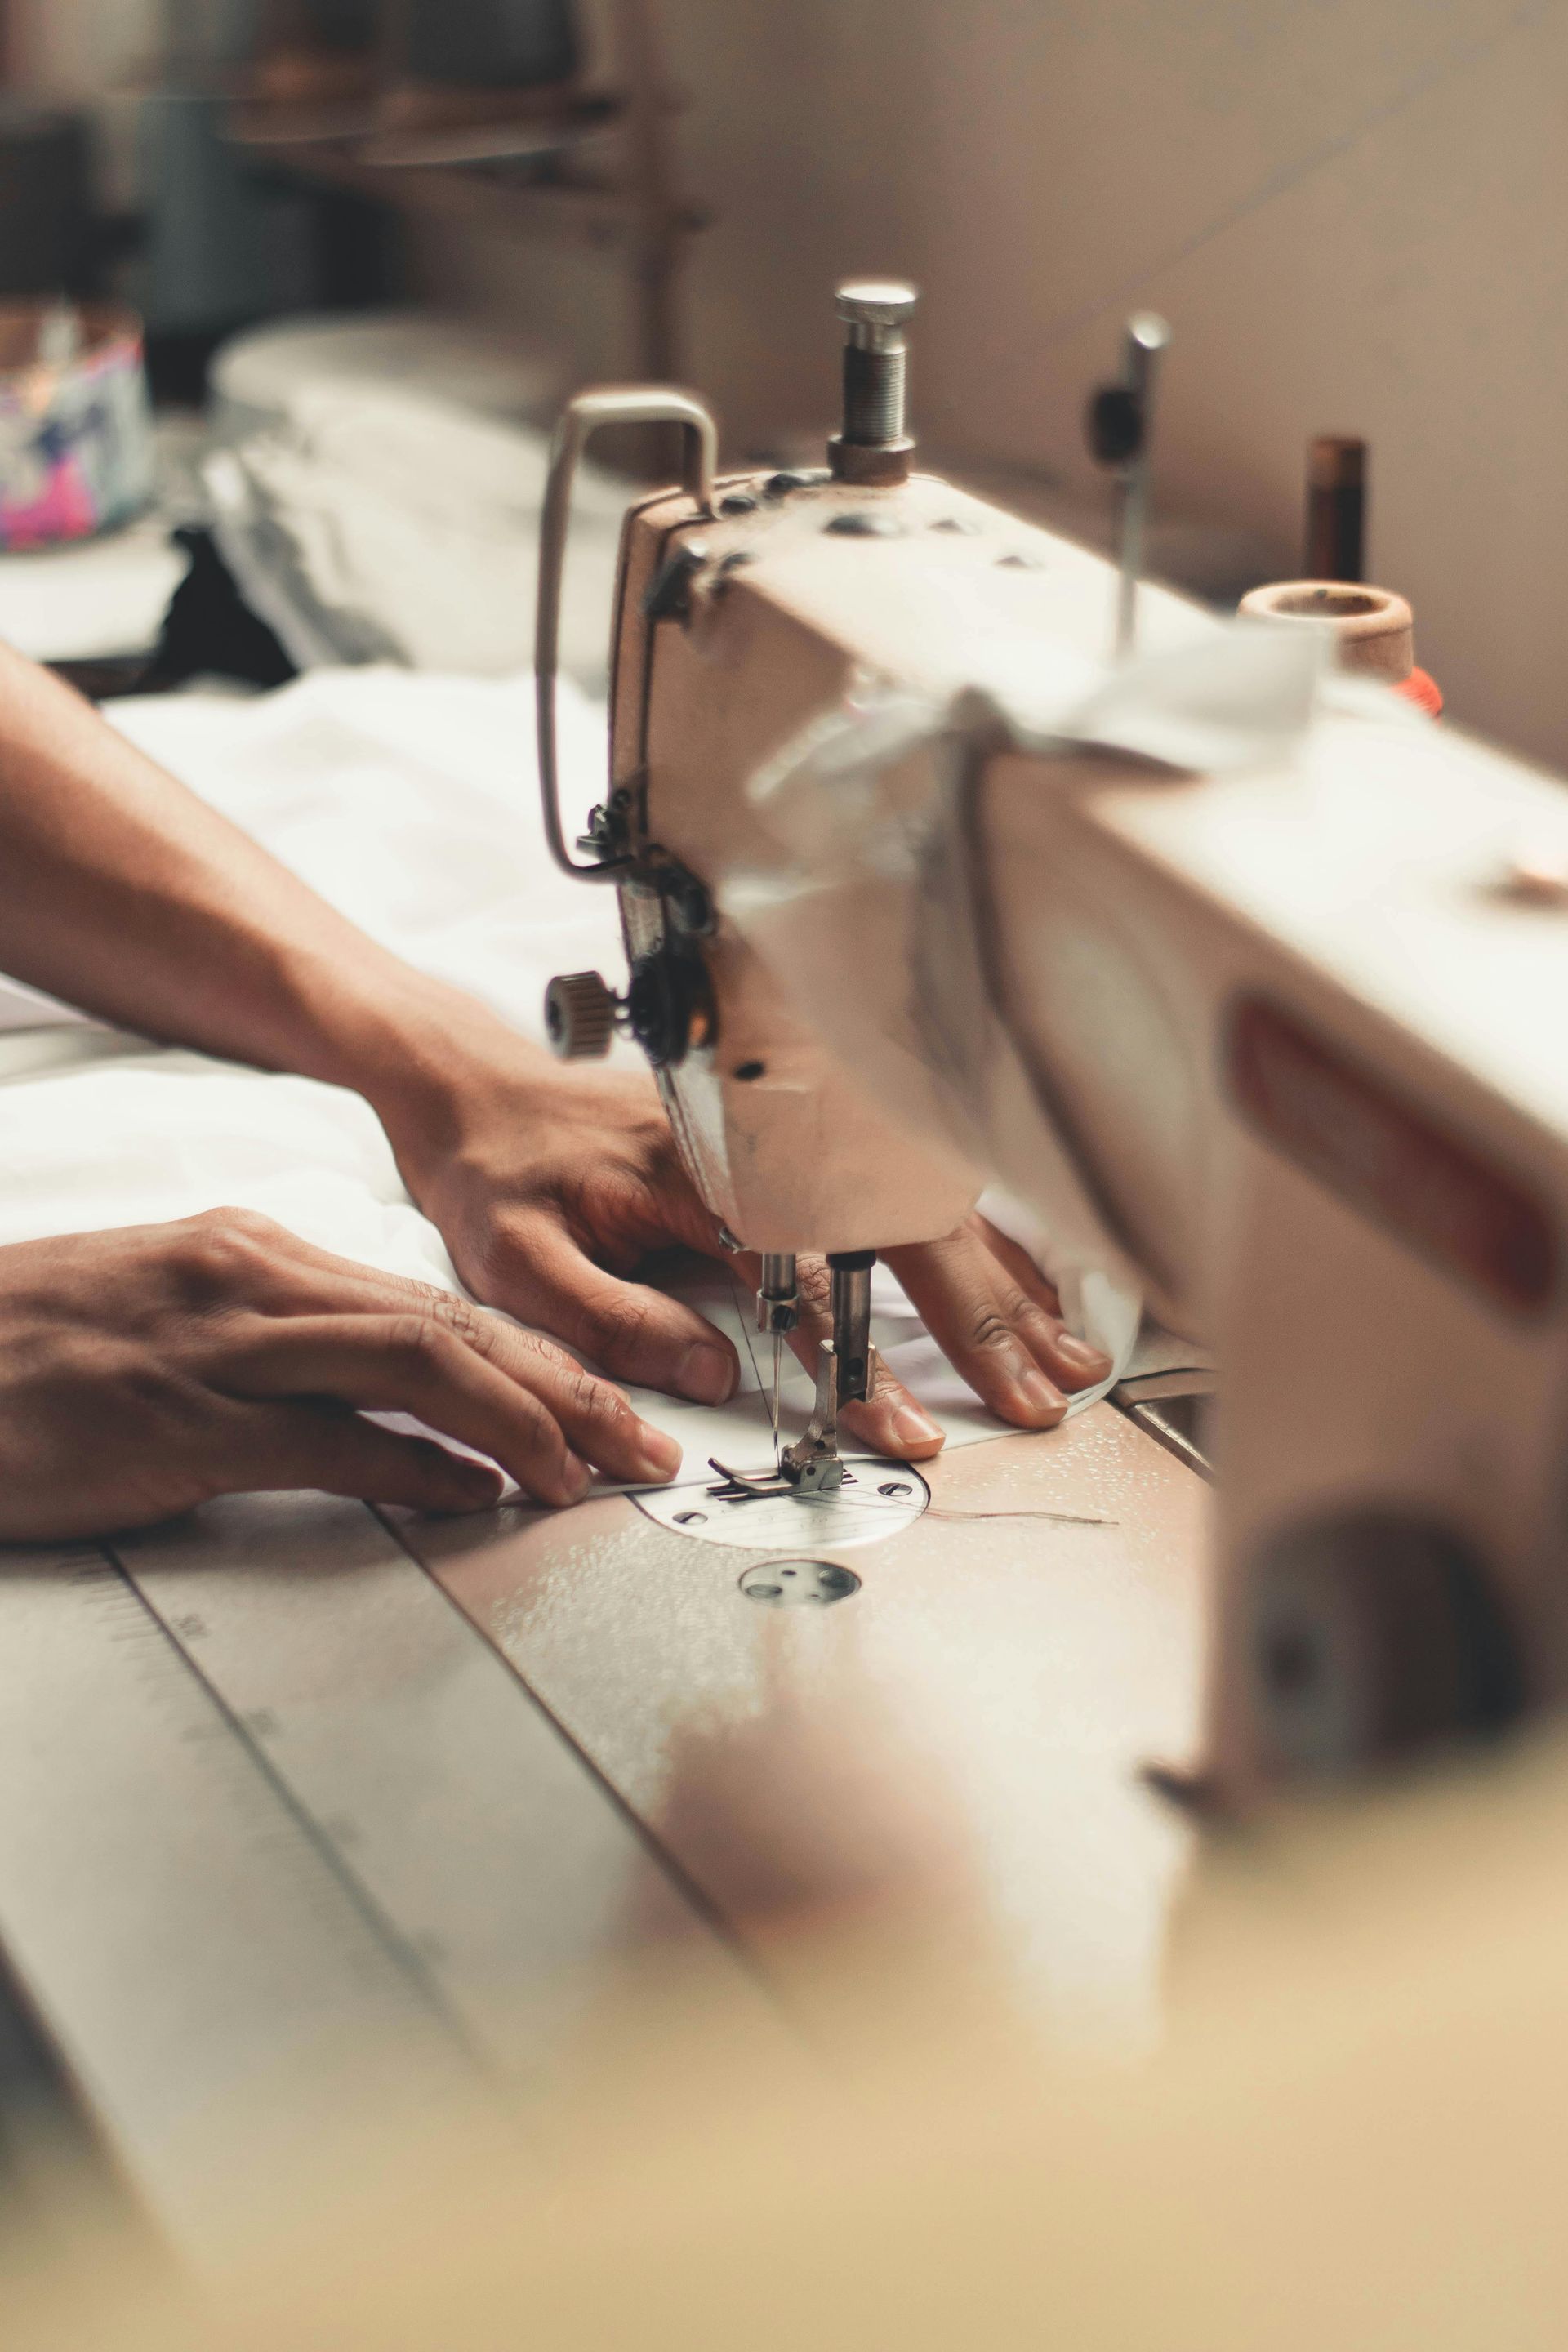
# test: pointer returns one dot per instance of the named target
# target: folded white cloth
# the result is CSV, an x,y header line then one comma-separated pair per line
x,y
381,521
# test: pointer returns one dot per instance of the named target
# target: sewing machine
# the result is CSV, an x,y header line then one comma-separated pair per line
x,y
296,1790
1295,1029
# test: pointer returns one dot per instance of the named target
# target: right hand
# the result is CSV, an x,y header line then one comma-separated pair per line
x,y
551,1187
145,1371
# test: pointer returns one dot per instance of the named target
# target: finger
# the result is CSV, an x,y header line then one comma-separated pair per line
x,y
543,1422
597,1417
634,1332
892,1421
1018,1263
230,1259
1074,1363
235,1261
985,1323
278,1447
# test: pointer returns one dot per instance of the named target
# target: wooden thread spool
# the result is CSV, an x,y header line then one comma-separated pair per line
x,y
1375,629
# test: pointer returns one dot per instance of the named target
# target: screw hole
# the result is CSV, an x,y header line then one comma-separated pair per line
x,y
750,1070
894,1487
691,1518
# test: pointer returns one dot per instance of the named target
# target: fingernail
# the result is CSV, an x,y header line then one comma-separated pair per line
x,y
1085,1358
707,1375
660,1455
575,1478
1038,1395
913,1427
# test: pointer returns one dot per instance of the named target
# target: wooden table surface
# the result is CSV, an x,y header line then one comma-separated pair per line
x,y
287,1783
963,1738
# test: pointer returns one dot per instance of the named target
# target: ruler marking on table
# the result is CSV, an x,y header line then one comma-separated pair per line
x,y
442,1786
398,1946
197,1961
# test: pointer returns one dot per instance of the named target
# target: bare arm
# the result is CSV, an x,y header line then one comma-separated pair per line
x,y
126,895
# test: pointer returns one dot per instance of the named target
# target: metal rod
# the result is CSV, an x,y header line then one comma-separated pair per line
x,y
851,1279
580,420
1147,336
777,1287
778,1311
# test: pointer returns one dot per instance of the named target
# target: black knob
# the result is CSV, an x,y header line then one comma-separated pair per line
x,y
580,1016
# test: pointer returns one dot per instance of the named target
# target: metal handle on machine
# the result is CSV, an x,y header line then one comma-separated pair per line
x,y
584,416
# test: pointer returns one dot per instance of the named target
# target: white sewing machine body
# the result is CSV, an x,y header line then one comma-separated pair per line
x,y
1304,1045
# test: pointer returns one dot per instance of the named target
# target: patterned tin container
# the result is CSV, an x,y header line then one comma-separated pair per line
x,y
76,436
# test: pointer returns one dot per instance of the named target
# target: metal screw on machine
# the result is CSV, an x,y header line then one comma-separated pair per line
x,y
874,449
580,1011
1119,422
778,1294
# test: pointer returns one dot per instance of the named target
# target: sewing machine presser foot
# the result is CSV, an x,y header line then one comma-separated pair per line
x,y
813,1464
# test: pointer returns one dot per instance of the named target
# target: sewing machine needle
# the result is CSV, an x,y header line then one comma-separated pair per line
x,y
778,1342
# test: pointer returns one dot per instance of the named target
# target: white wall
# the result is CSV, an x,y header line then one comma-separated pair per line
x,y
1354,212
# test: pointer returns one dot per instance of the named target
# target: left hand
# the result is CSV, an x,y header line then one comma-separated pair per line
x,y
552,1185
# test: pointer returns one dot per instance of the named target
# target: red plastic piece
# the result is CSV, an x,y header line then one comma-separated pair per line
x,y
1419,688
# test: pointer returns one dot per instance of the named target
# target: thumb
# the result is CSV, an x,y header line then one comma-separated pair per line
x,y
629,1330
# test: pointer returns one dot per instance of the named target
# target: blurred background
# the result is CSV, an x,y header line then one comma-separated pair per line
x,y
1346,207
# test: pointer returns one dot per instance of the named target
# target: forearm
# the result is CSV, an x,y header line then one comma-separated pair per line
x,y
124,893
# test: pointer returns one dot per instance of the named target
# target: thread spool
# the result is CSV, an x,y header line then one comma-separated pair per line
x,y
1375,629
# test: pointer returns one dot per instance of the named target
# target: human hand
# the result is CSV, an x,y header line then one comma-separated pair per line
x,y
995,1317
553,1185
143,1372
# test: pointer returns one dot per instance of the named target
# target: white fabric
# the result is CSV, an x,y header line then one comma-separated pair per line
x,y
410,802
379,522
94,602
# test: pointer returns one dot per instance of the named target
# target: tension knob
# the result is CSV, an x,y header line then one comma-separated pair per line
x,y
580,1016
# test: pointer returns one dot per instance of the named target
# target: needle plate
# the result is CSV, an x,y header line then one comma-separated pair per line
x,y
876,1499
